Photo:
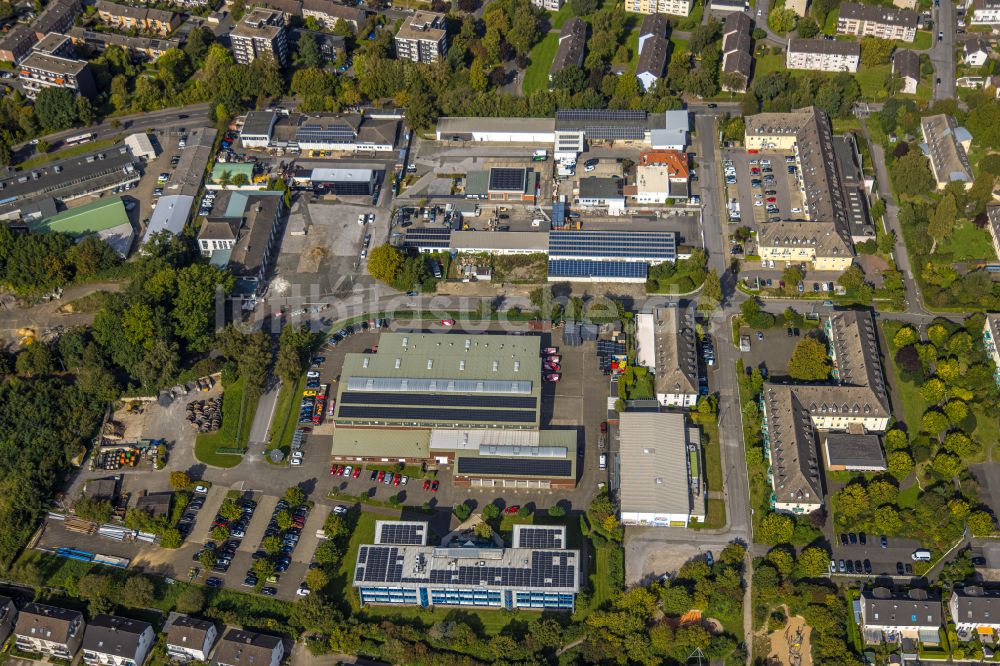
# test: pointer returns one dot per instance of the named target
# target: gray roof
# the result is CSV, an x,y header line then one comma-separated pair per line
x,y
171,214
906,64
597,187
157,504
246,648
737,22
653,463
57,15
654,25
49,623
948,158
118,636
464,125
853,184
351,14
259,123
853,450
572,39
189,632
975,605
824,46
54,64
653,57
253,244
916,608
477,241
879,14
675,355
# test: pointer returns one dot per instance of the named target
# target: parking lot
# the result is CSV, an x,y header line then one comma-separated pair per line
x,y
881,561
772,351
754,202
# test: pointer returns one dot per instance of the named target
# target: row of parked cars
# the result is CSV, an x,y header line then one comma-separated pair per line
x,y
289,540
360,327
551,364
380,476
186,524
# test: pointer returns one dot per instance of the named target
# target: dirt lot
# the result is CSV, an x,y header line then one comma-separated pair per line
x,y
789,647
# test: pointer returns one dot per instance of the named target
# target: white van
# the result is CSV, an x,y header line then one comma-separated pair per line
x,y
604,462
921,555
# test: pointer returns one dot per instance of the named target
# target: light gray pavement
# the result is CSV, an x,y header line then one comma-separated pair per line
x,y
943,51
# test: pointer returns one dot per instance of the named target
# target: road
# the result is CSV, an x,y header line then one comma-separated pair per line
x,y
943,51
194,114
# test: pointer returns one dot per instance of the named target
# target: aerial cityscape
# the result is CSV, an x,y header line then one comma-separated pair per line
x,y
514,332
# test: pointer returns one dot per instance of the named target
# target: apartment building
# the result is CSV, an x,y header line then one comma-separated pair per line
x,y
877,21
906,65
672,7
572,45
8,617
329,14
148,48
653,49
824,55
49,630
737,52
17,43
261,31
890,616
975,51
142,19
946,145
800,7
54,66
422,38
58,16
666,344
985,12
191,639
550,5
117,641
248,648
975,612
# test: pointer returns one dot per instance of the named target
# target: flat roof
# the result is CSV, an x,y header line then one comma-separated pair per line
x,y
170,214
853,450
55,64
518,125
87,219
653,463
259,123
233,168
478,241
380,443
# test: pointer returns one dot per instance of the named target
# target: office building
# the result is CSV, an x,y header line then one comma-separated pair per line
x,y
653,48
906,65
190,639
502,184
946,144
794,414
422,37
877,21
661,175
572,46
45,68
889,616
666,344
110,640
536,573
262,31
347,132
341,182
139,19
660,470
49,630
329,14
601,192
823,55
248,648
737,52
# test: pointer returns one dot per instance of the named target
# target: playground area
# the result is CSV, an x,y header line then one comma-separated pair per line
x,y
790,645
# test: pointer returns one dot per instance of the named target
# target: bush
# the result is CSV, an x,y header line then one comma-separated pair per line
x,y
462,512
556,511
491,512
524,512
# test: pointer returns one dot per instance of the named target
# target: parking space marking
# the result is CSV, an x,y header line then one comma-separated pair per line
x,y
203,523
258,524
307,540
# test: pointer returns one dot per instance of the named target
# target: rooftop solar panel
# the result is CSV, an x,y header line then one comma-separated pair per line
x,y
403,535
507,180
446,414
538,537
583,268
514,467
647,245
600,114
496,401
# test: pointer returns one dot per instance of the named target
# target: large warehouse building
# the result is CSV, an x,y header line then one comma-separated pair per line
x,y
537,572
660,470
472,401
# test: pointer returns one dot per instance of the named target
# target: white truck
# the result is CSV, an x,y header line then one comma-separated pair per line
x,y
540,155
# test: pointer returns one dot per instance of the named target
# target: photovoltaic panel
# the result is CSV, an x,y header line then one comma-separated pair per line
x,y
331,133
601,114
536,537
506,179
514,467
445,385
645,245
583,268
450,414
403,535
499,401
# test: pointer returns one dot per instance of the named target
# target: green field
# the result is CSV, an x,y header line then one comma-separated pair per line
x,y
556,19
769,63
237,415
603,589
923,41
713,453
632,42
872,80
536,77
909,394
286,416
966,242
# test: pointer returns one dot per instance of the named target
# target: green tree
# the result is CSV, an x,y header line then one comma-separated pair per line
x,y
852,500
307,53
491,512
317,579
956,411
93,509
385,262
809,361
295,496
906,335
199,288
887,520
911,174
933,390
138,592
933,421
813,562
881,492
101,592
283,520
207,558
942,222
807,27
711,292
335,527
556,511
55,108
946,464
980,523
895,440
875,52
271,545
775,528
190,600
900,464
782,20
180,480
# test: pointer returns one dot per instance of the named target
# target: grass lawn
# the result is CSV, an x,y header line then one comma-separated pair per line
x,y
987,427
536,77
556,19
769,63
907,498
603,590
923,41
677,43
909,393
412,471
632,42
72,151
712,453
237,415
966,242
364,532
286,420
830,25
872,80
509,520
716,518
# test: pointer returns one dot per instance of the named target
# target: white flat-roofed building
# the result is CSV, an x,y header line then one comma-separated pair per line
x,y
496,242
170,215
422,37
659,470
141,146
261,31
257,129
497,130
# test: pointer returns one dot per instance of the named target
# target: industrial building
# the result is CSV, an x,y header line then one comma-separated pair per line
x,y
660,470
608,256
666,344
245,238
351,132
341,182
472,401
170,215
24,193
793,414
105,218
503,184
537,572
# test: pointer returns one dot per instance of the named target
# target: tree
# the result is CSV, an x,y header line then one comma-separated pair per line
x,y
190,600
101,592
198,288
896,440
813,562
85,111
875,52
946,465
956,411
295,496
230,510
852,279
583,7
207,558
385,262
911,174
980,523
882,492
335,527
484,530
807,27
462,512
933,421
307,53
283,519
852,500
180,480
93,509
754,316
942,221
933,391
491,512
775,528
907,335
781,20
711,292
138,592
270,545
783,560
887,520
55,108
556,511
809,361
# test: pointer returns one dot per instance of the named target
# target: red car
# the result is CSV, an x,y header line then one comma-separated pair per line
x,y
553,359
357,472
381,475
548,351
604,427
512,509
427,484
333,470
340,470
447,322
755,171
554,377
770,199
434,487
552,367
396,480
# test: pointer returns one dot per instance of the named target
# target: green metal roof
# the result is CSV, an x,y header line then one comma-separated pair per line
x,y
477,183
391,443
87,219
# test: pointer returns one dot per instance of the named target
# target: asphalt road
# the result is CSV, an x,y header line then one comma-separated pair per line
x,y
943,51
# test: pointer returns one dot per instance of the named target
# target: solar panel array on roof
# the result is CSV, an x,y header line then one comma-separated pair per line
x,y
610,348
427,237
507,179
332,134
381,413
498,401
558,214
402,535
600,114
646,245
583,268
540,537
514,466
